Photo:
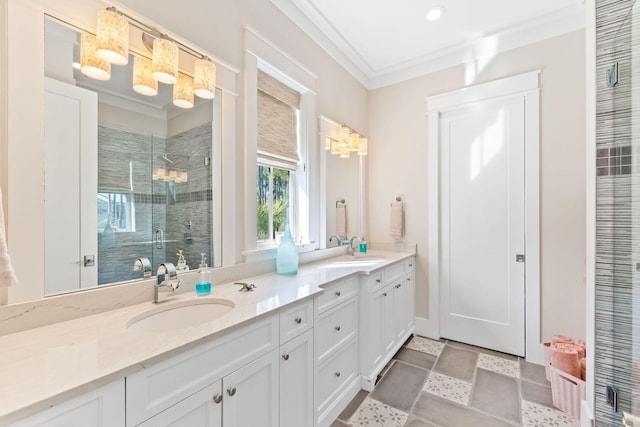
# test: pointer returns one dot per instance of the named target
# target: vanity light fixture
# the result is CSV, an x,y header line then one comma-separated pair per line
x,y
183,92
90,64
165,60
347,141
354,141
204,78
112,36
343,136
344,152
143,81
335,147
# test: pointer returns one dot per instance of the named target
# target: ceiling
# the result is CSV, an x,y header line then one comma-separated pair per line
x,y
383,42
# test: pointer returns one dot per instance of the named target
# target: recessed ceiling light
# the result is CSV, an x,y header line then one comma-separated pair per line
x,y
435,13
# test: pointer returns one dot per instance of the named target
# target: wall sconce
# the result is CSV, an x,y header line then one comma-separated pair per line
x,y
347,141
111,46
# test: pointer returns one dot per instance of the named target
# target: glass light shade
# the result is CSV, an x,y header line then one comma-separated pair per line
x,y
204,79
344,152
363,147
335,147
143,81
354,140
183,92
343,136
112,37
182,177
327,143
90,64
165,61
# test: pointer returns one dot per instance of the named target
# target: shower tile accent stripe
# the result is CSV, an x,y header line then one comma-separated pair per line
x,y
617,232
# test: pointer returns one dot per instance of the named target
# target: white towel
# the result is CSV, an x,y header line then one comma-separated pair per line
x,y
630,420
396,226
7,276
341,221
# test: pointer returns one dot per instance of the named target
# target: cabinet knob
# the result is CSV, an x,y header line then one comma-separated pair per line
x,y
285,356
231,391
217,398
378,281
410,265
398,285
338,328
298,320
338,293
408,279
337,374
384,295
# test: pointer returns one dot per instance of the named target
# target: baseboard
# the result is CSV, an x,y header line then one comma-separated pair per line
x,y
586,417
535,353
427,328
339,404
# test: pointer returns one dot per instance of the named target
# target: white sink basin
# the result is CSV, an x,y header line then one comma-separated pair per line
x,y
354,261
172,316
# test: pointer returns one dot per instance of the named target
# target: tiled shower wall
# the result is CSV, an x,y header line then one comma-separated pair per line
x,y
158,204
616,234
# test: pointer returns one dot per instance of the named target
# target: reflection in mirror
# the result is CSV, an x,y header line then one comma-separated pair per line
x,y
344,186
126,176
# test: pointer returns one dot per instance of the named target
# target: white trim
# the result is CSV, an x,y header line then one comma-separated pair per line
x,y
525,85
321,30
590,136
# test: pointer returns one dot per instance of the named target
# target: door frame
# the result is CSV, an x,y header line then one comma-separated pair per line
x,y
527,86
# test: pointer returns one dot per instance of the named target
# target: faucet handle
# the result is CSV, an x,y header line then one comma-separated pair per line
x,y
143,264
246,287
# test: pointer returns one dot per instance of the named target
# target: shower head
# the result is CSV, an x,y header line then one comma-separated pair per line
x,y
165,157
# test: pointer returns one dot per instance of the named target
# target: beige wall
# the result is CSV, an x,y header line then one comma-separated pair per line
x,y
398,159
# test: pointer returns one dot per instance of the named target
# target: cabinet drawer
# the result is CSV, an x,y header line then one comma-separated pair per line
x,y
161,385
336,293
334,375
335,327
296,320
393,272
376,281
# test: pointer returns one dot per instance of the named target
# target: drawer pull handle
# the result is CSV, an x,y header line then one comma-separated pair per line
x,y
337,374
338,328
298,320
338,293
285,356
231,391
398,285
217,398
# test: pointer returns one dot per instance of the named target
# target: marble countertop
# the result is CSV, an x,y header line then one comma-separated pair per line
x,y
44,366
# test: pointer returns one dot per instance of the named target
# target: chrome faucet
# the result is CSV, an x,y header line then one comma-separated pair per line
x,y
351,250
143,264
161,290
335,237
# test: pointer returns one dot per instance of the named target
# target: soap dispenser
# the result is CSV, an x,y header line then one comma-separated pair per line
x,y
203,285
363,245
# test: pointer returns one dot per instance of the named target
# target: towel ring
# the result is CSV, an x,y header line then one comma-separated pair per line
x,y
340,202
398,200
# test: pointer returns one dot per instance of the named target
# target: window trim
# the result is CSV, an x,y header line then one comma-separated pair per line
x,y
261,54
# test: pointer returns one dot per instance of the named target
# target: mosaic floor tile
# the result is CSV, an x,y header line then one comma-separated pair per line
x,y
426,345
499,365
374,413
535,415
447,387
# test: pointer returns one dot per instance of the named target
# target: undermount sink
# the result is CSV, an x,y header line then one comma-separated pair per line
x,y
354,261
180,315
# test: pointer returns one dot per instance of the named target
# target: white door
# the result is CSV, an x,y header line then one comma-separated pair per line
x,y
296,381
71,164
483,225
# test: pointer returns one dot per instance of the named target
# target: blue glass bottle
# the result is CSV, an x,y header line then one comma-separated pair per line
x,y
203,285
287,254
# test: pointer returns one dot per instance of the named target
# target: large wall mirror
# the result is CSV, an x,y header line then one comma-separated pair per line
x,y
126,175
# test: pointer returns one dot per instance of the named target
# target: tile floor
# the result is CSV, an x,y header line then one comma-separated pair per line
x,y
449,384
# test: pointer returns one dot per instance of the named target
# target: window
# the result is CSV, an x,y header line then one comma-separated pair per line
x,y
116,213
278,158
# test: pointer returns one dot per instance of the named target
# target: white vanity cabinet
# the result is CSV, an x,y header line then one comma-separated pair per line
x,y
386,317
103,406
336,379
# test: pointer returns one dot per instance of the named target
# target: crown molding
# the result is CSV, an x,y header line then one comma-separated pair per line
x,y
312,22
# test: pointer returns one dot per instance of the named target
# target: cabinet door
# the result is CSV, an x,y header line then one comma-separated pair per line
x,y
388,319
409,294
202,409
296,382
251,395
100,407
375,331
400,308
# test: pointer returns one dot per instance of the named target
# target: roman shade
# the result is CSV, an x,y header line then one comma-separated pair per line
x,y
277,123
